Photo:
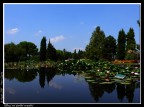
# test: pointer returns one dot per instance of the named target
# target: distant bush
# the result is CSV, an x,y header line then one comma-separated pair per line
x,y
131,56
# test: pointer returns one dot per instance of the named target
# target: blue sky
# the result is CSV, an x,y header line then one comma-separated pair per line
x,y
68,26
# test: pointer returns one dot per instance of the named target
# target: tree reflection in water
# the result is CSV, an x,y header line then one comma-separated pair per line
x,y
21,75
50,73
46,73
130,92
42,77
97,90
126,90
120,91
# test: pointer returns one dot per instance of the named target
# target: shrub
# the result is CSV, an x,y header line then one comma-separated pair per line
x,y
131,56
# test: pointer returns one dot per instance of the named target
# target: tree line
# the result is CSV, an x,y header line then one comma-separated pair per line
x,y
25,51
100,47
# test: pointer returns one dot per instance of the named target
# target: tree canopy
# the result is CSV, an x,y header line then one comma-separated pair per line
x,y
100,47
22,51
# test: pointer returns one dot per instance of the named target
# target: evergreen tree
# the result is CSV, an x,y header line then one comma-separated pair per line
x,y
43,49
121,45
130,43
51,52
94,50
109,47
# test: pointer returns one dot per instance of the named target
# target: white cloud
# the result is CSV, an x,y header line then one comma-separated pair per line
x,y
57,38
38,32
12,31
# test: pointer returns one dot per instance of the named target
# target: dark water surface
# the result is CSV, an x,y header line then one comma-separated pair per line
x,y
47,86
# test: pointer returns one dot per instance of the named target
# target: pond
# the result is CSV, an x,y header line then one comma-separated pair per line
x,y
48,86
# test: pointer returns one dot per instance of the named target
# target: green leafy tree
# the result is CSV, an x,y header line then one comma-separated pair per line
x,y
94,50
121,45
20,52
11,52
29,49
109,47
51,52
43,49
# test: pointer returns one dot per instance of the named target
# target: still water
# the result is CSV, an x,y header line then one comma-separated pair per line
x,y
47,86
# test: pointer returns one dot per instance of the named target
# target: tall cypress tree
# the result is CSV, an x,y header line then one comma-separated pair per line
x,y
51,52
131,43
43,49
121,45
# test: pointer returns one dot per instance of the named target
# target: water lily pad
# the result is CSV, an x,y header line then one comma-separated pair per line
x,y
125,83
128,79
116,80
136,76
90,80
106,83
94,82
88,77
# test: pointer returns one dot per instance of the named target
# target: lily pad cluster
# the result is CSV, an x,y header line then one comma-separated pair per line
x,y
75,65
101,72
